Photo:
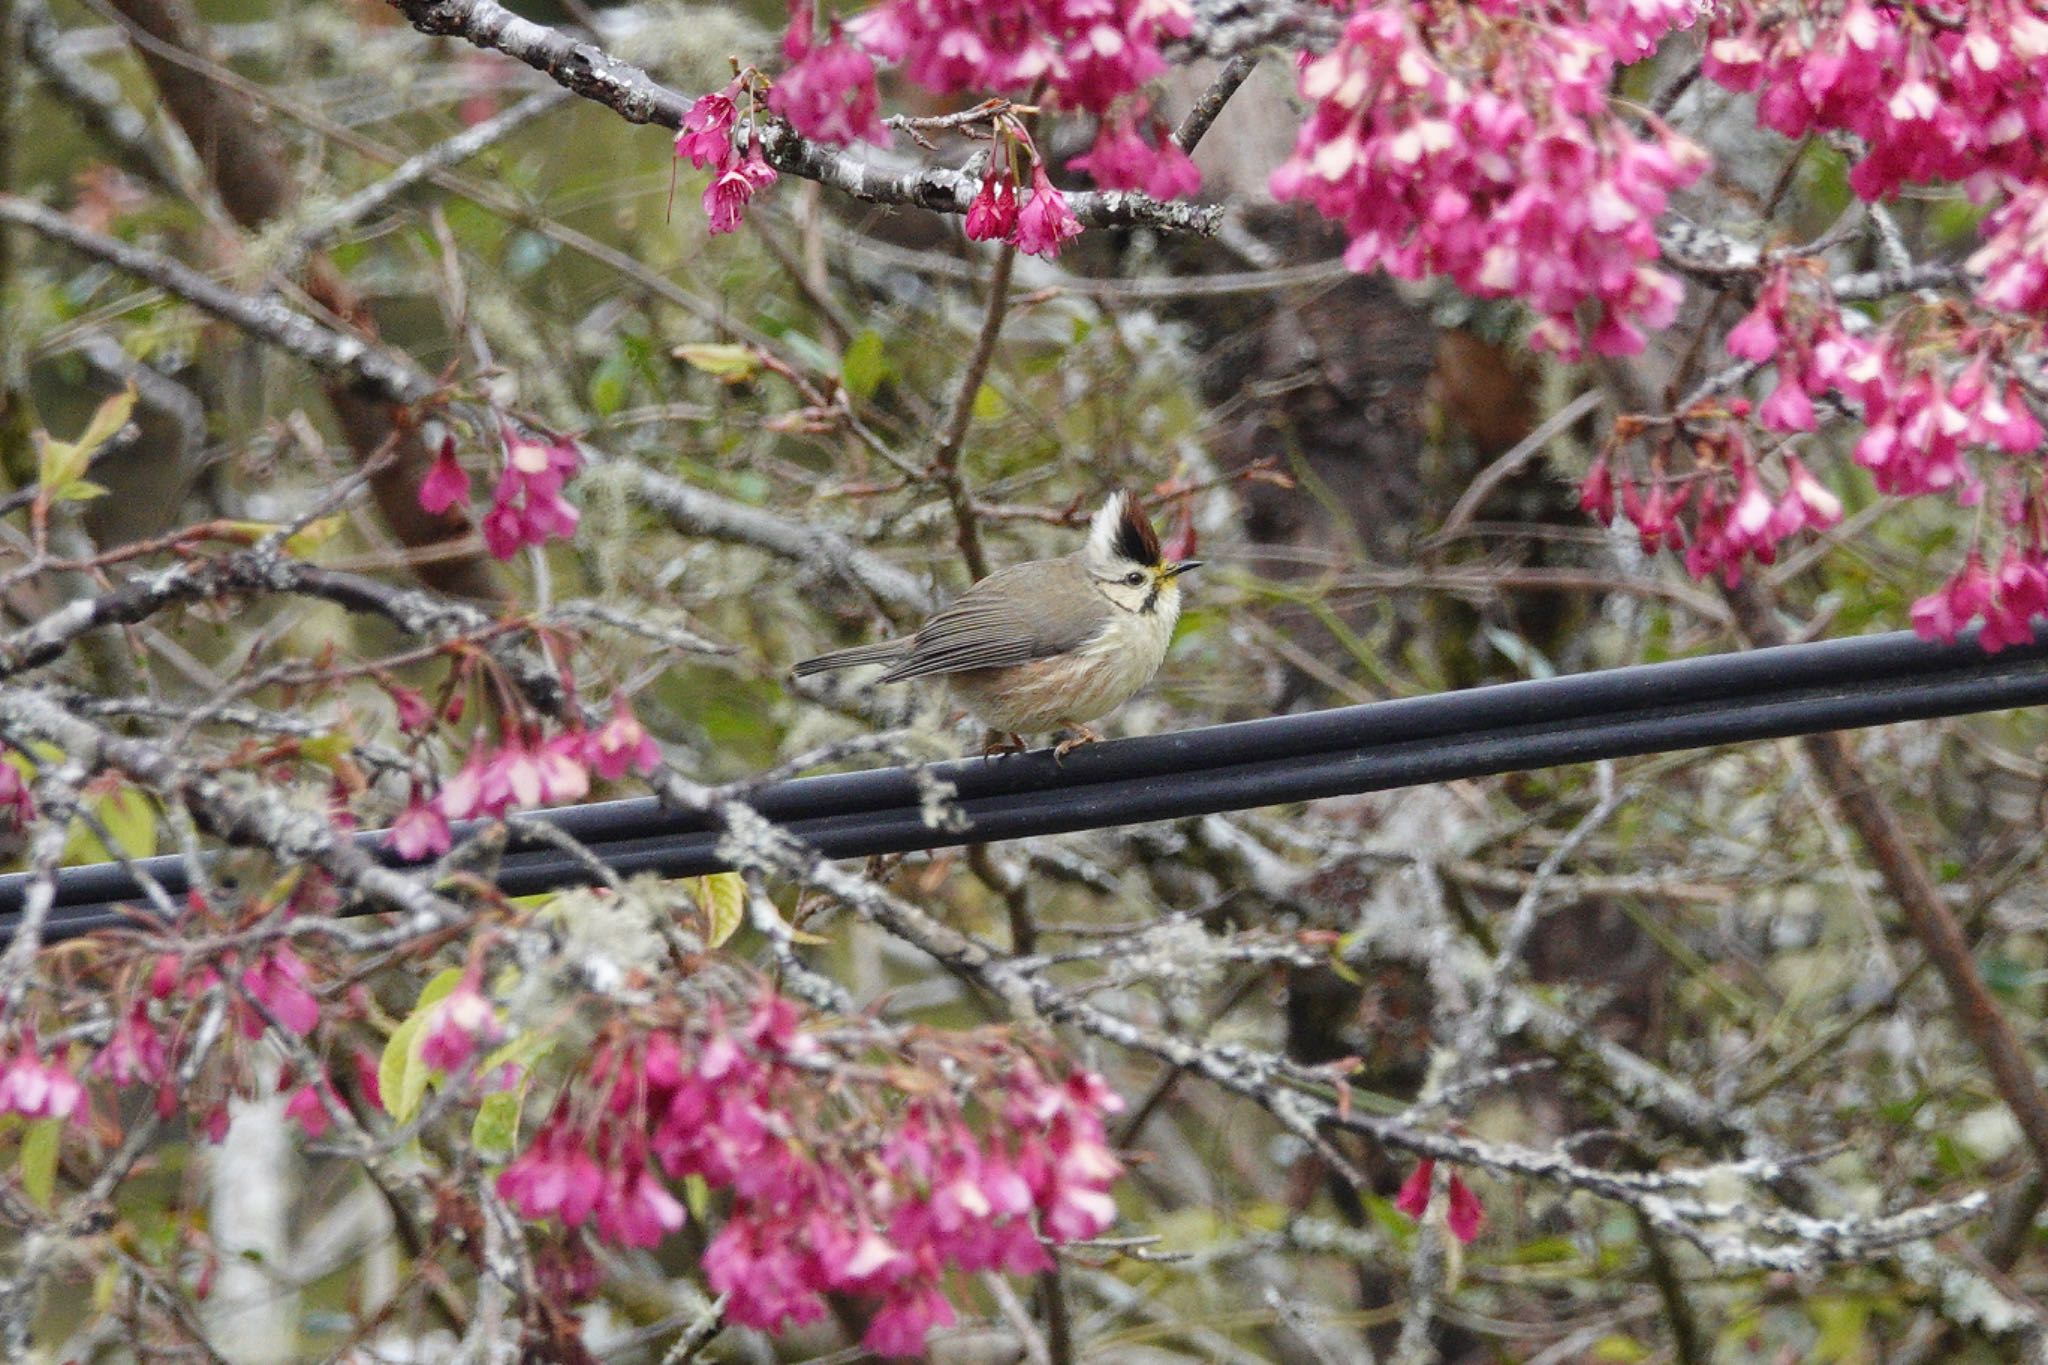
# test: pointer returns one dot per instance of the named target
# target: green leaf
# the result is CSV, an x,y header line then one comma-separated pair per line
x,y
129,818
106,424
327,750
990,406
1618,1350
313,535
864,365
610,382
721,359
39,1160
58,463
722,897
496,1128
79,490
402,1074
524,1052
62,463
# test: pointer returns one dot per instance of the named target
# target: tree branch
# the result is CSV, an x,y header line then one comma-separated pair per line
x,y
638,98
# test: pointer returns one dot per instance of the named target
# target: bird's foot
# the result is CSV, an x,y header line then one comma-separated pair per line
x,y
1003,742
1081,735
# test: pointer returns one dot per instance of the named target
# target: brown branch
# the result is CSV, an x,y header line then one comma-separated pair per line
x,y
1195,125
249,171
946,459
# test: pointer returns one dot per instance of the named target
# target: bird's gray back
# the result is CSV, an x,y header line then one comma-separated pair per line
x,y
1025,612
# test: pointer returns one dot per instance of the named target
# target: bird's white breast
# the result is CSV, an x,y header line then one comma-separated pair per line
x,y
1078,687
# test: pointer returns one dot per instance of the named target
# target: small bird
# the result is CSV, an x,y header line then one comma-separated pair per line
x,y
1048,644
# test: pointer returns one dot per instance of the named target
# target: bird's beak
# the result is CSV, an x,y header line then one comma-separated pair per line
x,y
1175,570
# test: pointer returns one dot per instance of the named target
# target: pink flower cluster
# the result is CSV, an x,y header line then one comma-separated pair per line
x,y
1122,159
827,1196
1473,139
2012,265
1734,518
1463,1212
526,505
521,773
1920,419
706,140
2008,600
1935,92
1088,52
828,90
38,1089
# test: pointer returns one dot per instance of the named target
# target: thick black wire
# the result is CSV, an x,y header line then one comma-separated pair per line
x,y
1615,713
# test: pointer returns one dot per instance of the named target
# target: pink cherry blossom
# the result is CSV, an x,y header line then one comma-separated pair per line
x,y
463,1022
1121,159
1045,224
1476,141
621,743
726,197
447,482
1953,101
706,135
17,800
420,831
136,1052
1088,52
277,981
1463,1212
526,506
1942,614
414,715
38,1089
992,216
828,92
307,1106
814,1204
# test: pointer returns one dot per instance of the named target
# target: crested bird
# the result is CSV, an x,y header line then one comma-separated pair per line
x,y
1051,643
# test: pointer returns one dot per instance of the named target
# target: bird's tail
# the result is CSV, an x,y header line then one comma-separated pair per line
x,y
887,651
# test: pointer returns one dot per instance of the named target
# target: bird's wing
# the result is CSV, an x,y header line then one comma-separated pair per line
x,y
1015,615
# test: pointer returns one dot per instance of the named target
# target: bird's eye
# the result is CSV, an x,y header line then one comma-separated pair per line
x,y
1134,578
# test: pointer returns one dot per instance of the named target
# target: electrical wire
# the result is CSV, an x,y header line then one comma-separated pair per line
x,y
1508,727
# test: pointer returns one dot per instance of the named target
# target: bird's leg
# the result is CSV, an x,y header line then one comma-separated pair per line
x,y
1002,742
1082,735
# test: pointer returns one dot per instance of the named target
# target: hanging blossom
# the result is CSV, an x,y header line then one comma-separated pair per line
x,y
447,483
706,141
833,1190
1088,55
1473,139
1463,1212
1945,92
35,1088
17,801
527,506
523,772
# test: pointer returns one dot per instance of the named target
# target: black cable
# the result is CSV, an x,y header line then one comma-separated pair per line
x,y
1616,713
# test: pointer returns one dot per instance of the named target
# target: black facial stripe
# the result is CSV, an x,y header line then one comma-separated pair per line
x,y
1151,600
